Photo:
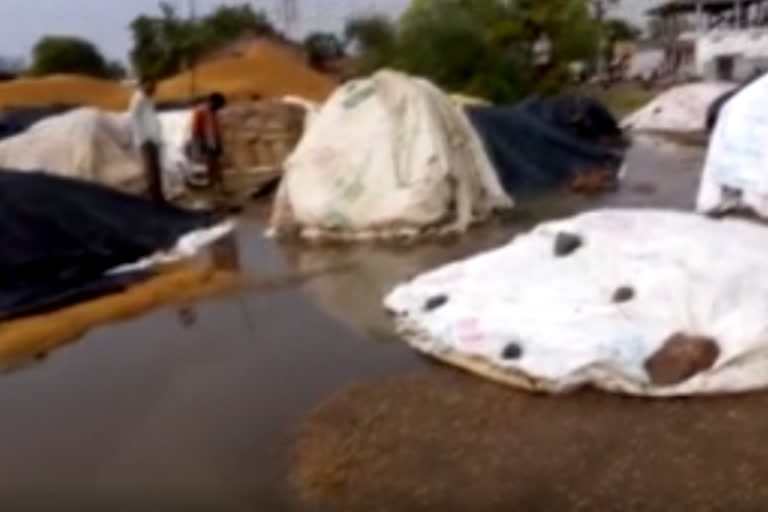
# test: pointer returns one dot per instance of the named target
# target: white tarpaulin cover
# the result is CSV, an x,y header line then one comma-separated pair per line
x,y
680,109
187,246
736,170
84,143
97,146
521,315
386,156
177,131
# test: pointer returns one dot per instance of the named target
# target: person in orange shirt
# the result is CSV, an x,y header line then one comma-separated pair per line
x,y
206,143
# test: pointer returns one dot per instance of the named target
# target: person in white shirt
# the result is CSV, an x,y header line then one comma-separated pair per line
x,y
147,136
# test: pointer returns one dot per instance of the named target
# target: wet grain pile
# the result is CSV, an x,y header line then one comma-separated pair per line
x,y
63,89
28,337
440,440
264,71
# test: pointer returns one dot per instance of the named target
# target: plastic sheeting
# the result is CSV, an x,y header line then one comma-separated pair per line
x,y
14,121
542,143
601,312
84,143
97,146
177,131
63,239
735,173
386,156
682,109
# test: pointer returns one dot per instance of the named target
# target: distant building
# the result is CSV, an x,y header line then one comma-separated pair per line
x,y
713,39
646,63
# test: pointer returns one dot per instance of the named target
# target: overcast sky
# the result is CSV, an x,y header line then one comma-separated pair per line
x,y
105,21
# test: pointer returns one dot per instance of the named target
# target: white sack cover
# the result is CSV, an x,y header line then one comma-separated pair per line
x,y
690,274
85,143
177,131
682,109
311,108
97,146
737,158
386,156
187,246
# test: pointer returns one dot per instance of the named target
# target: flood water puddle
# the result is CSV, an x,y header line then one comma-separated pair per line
x,y
191,408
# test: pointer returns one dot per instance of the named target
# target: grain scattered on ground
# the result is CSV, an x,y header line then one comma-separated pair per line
x,y
443,440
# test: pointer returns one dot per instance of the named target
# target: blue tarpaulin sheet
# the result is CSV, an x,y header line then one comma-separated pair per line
x,y
544,142
61,236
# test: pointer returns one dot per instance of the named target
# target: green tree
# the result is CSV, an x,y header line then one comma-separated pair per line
x,y
322,47
369,32
621,30
483,47
162,45
456,44
116,70
166,44
373,38
228,22
68,54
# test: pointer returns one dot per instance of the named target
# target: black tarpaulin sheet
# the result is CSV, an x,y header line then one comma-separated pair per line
x,y
14,121
60,236
542,143
714,109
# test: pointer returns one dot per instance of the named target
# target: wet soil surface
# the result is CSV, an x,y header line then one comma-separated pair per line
x,y
209,407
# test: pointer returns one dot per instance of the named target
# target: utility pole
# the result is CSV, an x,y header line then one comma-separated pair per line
x,y
599,9
191,64
288,14
599,13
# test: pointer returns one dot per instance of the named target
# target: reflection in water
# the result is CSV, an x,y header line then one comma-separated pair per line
x,y
364,274
159,413
367,273
225,253
187,316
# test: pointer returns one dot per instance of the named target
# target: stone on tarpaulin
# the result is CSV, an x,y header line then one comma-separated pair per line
x,y
681,357
567,243
623,294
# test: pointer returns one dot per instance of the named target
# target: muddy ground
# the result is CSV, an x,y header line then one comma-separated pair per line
x,y
296,395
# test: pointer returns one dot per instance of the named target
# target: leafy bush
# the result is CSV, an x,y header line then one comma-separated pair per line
x,y
69,54
481,47
166,44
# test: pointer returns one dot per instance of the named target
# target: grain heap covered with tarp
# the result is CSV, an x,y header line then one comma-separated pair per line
x,y
393,156
14,120
87,144
543,143
97,146
644,302
66,240
258,136
681,109
735,174
388,156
